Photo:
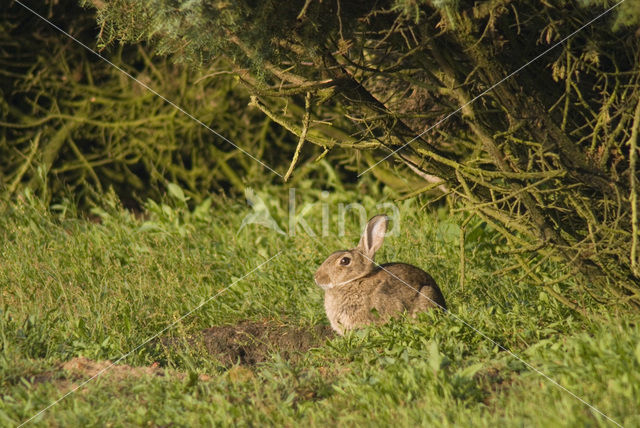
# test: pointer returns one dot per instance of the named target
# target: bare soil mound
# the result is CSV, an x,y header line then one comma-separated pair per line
x,y
250,342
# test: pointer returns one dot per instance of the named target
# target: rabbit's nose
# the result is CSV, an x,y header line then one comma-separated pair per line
x,y
322,279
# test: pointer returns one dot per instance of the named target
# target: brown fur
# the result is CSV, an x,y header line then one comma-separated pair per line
x,y
362,293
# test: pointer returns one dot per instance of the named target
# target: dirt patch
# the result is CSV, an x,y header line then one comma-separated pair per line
x,y
247,343
250,342
83,368
73,373
494,382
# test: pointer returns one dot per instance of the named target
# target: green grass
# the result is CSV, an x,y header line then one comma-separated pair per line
x,y
73,287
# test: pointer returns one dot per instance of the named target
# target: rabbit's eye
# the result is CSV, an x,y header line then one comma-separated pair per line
x,y
345,261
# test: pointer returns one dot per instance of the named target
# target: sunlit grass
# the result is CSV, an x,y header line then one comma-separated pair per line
x,y
99,288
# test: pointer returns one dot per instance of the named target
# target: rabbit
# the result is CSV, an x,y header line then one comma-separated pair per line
x,y
360,292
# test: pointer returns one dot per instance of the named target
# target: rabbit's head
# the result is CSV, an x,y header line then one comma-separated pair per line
x,y
344,266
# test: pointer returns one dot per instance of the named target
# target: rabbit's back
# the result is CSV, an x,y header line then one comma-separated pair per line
x,y
412,286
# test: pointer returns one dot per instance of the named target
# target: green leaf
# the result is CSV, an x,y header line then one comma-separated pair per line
x,y
470,371
435,358
176,192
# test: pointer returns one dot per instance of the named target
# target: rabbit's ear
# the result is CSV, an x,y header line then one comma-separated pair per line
x,y
373,235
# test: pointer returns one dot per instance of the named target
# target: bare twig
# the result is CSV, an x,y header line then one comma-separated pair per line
x,y
303,135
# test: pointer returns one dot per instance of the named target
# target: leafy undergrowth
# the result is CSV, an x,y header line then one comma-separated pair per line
x,y
78,292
